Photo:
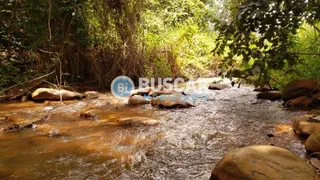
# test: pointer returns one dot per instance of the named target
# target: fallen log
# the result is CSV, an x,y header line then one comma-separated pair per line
x,y
20,89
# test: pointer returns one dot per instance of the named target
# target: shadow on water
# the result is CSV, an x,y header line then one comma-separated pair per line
x,y
187,144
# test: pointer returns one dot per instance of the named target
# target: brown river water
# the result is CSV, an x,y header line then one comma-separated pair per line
x,y
186,145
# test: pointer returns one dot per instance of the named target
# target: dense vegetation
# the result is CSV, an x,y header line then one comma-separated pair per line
x,y
270,35
88,41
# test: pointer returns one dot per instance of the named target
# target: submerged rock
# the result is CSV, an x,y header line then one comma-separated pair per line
x,y
138,121
171,101
219,86
138,100
90,114
54,94
262,162
301,87
269,95
54,132
313,142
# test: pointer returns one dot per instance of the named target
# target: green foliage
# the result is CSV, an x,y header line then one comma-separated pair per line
x,y
262,32
307,46
99,40
115,31
8,75
178,38
31,29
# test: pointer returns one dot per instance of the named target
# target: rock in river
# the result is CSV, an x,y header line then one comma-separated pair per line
x,y
269,95
92,94
313,142
219,86
142,91
262,162
300,87
303,101
54,94
138,121
138,100
304,125
155,93
171,101
89,114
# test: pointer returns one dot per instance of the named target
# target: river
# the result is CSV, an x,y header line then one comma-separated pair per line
x,y
186,145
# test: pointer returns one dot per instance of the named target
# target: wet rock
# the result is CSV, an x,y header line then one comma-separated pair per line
x,y
303,101
166,92
219,86
315,119
54,132
315,111
138,121
315,162
303,125
138,100
270,135
262,162
48,108
302,87
171,101
142,91
313,142
92,94
264,89
269,95
13,119
90,114
316,96
24,98
316,99
54,94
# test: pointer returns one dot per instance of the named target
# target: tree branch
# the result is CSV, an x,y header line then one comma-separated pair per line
x,y
306,53
49,19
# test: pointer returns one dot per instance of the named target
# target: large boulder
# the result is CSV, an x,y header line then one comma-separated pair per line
x,y
42,94
301,87
313,142
304,125
269,95
262,162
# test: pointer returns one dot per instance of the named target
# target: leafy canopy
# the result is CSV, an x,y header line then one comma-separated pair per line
x,y
261,32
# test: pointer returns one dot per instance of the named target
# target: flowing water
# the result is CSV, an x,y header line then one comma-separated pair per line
x,y
187,144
